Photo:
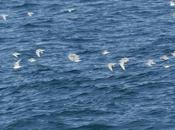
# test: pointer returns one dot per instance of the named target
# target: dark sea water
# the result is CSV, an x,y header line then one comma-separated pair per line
x,y
56,94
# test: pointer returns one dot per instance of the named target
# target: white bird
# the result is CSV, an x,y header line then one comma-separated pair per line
x,y
30,13
71,10
172,3
39,52
32,60
105,52
74,57
16,54
166,66
164,57
150,62
123,62
4,17
17,65
110,66
173,53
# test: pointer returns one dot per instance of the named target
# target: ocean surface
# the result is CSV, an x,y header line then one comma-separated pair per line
x,y
55,93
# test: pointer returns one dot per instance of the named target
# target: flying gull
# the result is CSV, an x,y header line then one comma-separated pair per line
x,y
39,52
164,58
30,13
32,60
150,62
17,65
74,57
4,17
16,54
71,10
173,53
110,66
123,62
105,52
172,3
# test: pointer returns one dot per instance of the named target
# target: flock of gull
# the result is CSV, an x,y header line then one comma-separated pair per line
x,y
76,58
124,61
17,64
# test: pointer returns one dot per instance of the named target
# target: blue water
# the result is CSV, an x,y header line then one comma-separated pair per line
x,y
57,94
